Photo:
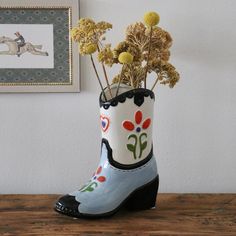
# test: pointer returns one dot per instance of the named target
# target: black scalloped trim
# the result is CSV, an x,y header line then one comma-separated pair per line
x,y
123,166
137,94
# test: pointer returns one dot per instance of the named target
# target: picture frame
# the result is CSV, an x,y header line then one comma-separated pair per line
x,y
36,50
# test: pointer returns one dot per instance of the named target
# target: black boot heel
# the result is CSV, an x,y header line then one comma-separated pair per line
x,y
144,197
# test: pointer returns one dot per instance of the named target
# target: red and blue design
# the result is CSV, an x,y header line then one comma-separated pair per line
x,y
130,126
105,122
139,127
93,183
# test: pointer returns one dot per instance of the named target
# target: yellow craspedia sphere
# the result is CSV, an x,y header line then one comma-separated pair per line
x,y
151,18
90,48
125,58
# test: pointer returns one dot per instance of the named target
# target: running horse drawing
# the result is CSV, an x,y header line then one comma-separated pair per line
x,y
13,48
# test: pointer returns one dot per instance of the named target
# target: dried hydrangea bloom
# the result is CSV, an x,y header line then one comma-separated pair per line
x,y
130,48
165,55
160,38
132,76
90,48
106,55
87,31
166,73
124,80
170,75
86,22
86,26
135,34
102,27
82,48
138,35
87,48
74,33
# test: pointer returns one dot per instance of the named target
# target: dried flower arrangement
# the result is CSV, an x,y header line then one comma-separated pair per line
x,y
144,50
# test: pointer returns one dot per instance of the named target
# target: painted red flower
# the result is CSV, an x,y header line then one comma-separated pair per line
x,y
130,126
99,178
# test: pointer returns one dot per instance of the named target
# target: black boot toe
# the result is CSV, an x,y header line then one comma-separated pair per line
x,y
67,205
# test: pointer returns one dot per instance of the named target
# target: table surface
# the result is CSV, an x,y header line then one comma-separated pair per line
x,y
175,214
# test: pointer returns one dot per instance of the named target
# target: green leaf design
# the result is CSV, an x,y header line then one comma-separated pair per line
x,y
138,143
131,147
143,145
82,187
90,187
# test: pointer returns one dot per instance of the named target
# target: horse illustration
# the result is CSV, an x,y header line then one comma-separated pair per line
x,y
13,48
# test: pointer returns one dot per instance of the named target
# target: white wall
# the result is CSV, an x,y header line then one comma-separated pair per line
x,y
49,143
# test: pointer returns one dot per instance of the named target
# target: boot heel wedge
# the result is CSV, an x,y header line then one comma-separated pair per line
x,y
144,197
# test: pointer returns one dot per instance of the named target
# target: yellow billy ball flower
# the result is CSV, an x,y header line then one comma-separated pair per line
x,y
90,48
151,19
125,58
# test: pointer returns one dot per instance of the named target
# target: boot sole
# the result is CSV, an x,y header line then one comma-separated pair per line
x,y
143,198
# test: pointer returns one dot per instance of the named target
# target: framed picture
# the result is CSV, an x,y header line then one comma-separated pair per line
x,y
36,51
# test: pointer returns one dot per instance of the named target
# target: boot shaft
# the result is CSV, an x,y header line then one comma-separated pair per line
x,y
126,123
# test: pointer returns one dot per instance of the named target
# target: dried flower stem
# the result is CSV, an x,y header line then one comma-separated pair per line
x,y
121,75
149,50
132,77
132,82
106,78
96,72
157,79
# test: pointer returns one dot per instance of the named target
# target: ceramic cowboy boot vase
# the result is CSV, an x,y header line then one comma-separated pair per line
x,y
127,173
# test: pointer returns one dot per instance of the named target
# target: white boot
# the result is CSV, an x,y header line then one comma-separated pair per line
x,y
127,173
